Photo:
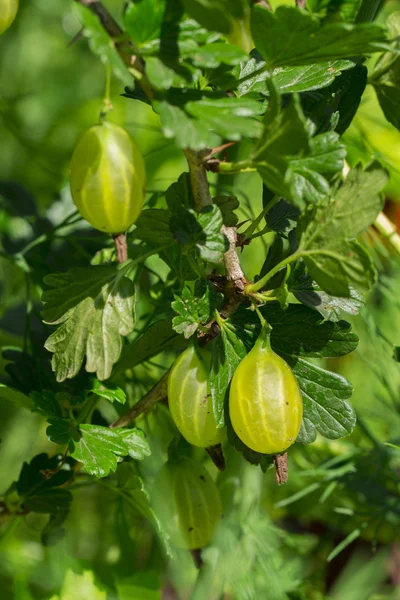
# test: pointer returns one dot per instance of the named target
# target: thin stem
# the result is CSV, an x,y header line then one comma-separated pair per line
x,y
388,230
250,230
230,168
367,11
157,393
258,285
107,105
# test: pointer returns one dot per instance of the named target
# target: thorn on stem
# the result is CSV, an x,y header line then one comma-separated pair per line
x,y
217,456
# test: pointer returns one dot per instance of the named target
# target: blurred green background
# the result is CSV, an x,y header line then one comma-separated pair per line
x,y
274,542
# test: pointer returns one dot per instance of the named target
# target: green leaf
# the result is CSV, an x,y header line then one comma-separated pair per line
x,y
102,45
282,217
144,585
200,119
99,449
187,132
45,403
80,586
232,118
194,310
306,174
338,270
386,76
297,331
325,409
135,439
15,396
60,430
179,194
218,15
211,56
227,204
93,307
334,107
109,391
309,293
152,227
164,74
333,259
40,485
200,231
288,80
159,336
227,352
290,37
143,21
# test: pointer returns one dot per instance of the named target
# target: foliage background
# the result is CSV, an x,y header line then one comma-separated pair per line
x,y
49,94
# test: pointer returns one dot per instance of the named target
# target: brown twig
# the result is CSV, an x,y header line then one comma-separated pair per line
x,y
121,247
300,3
281,468
157,393
115,32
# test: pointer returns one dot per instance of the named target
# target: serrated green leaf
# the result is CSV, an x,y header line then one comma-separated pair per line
x,y
193,310
227,204
109,391
60,430
232,118
135,439
325,409
187,132
253,75
152,227
290,37
334,107
212,55
218,15
200,231
99,449
49,501
93,307
296,170
227,352
179,193
333,259
143,21
45,403
333,308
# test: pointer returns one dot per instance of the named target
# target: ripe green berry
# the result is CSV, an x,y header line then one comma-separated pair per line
x,y
108,178
187,502
265,403
189,398
8,12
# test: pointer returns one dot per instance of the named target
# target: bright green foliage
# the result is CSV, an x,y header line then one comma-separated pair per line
x,y
264,202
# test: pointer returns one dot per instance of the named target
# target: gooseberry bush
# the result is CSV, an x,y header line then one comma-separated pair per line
x,y
219,367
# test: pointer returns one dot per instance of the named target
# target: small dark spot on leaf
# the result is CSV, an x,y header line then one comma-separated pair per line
x,y
202,477
287,403
190,529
